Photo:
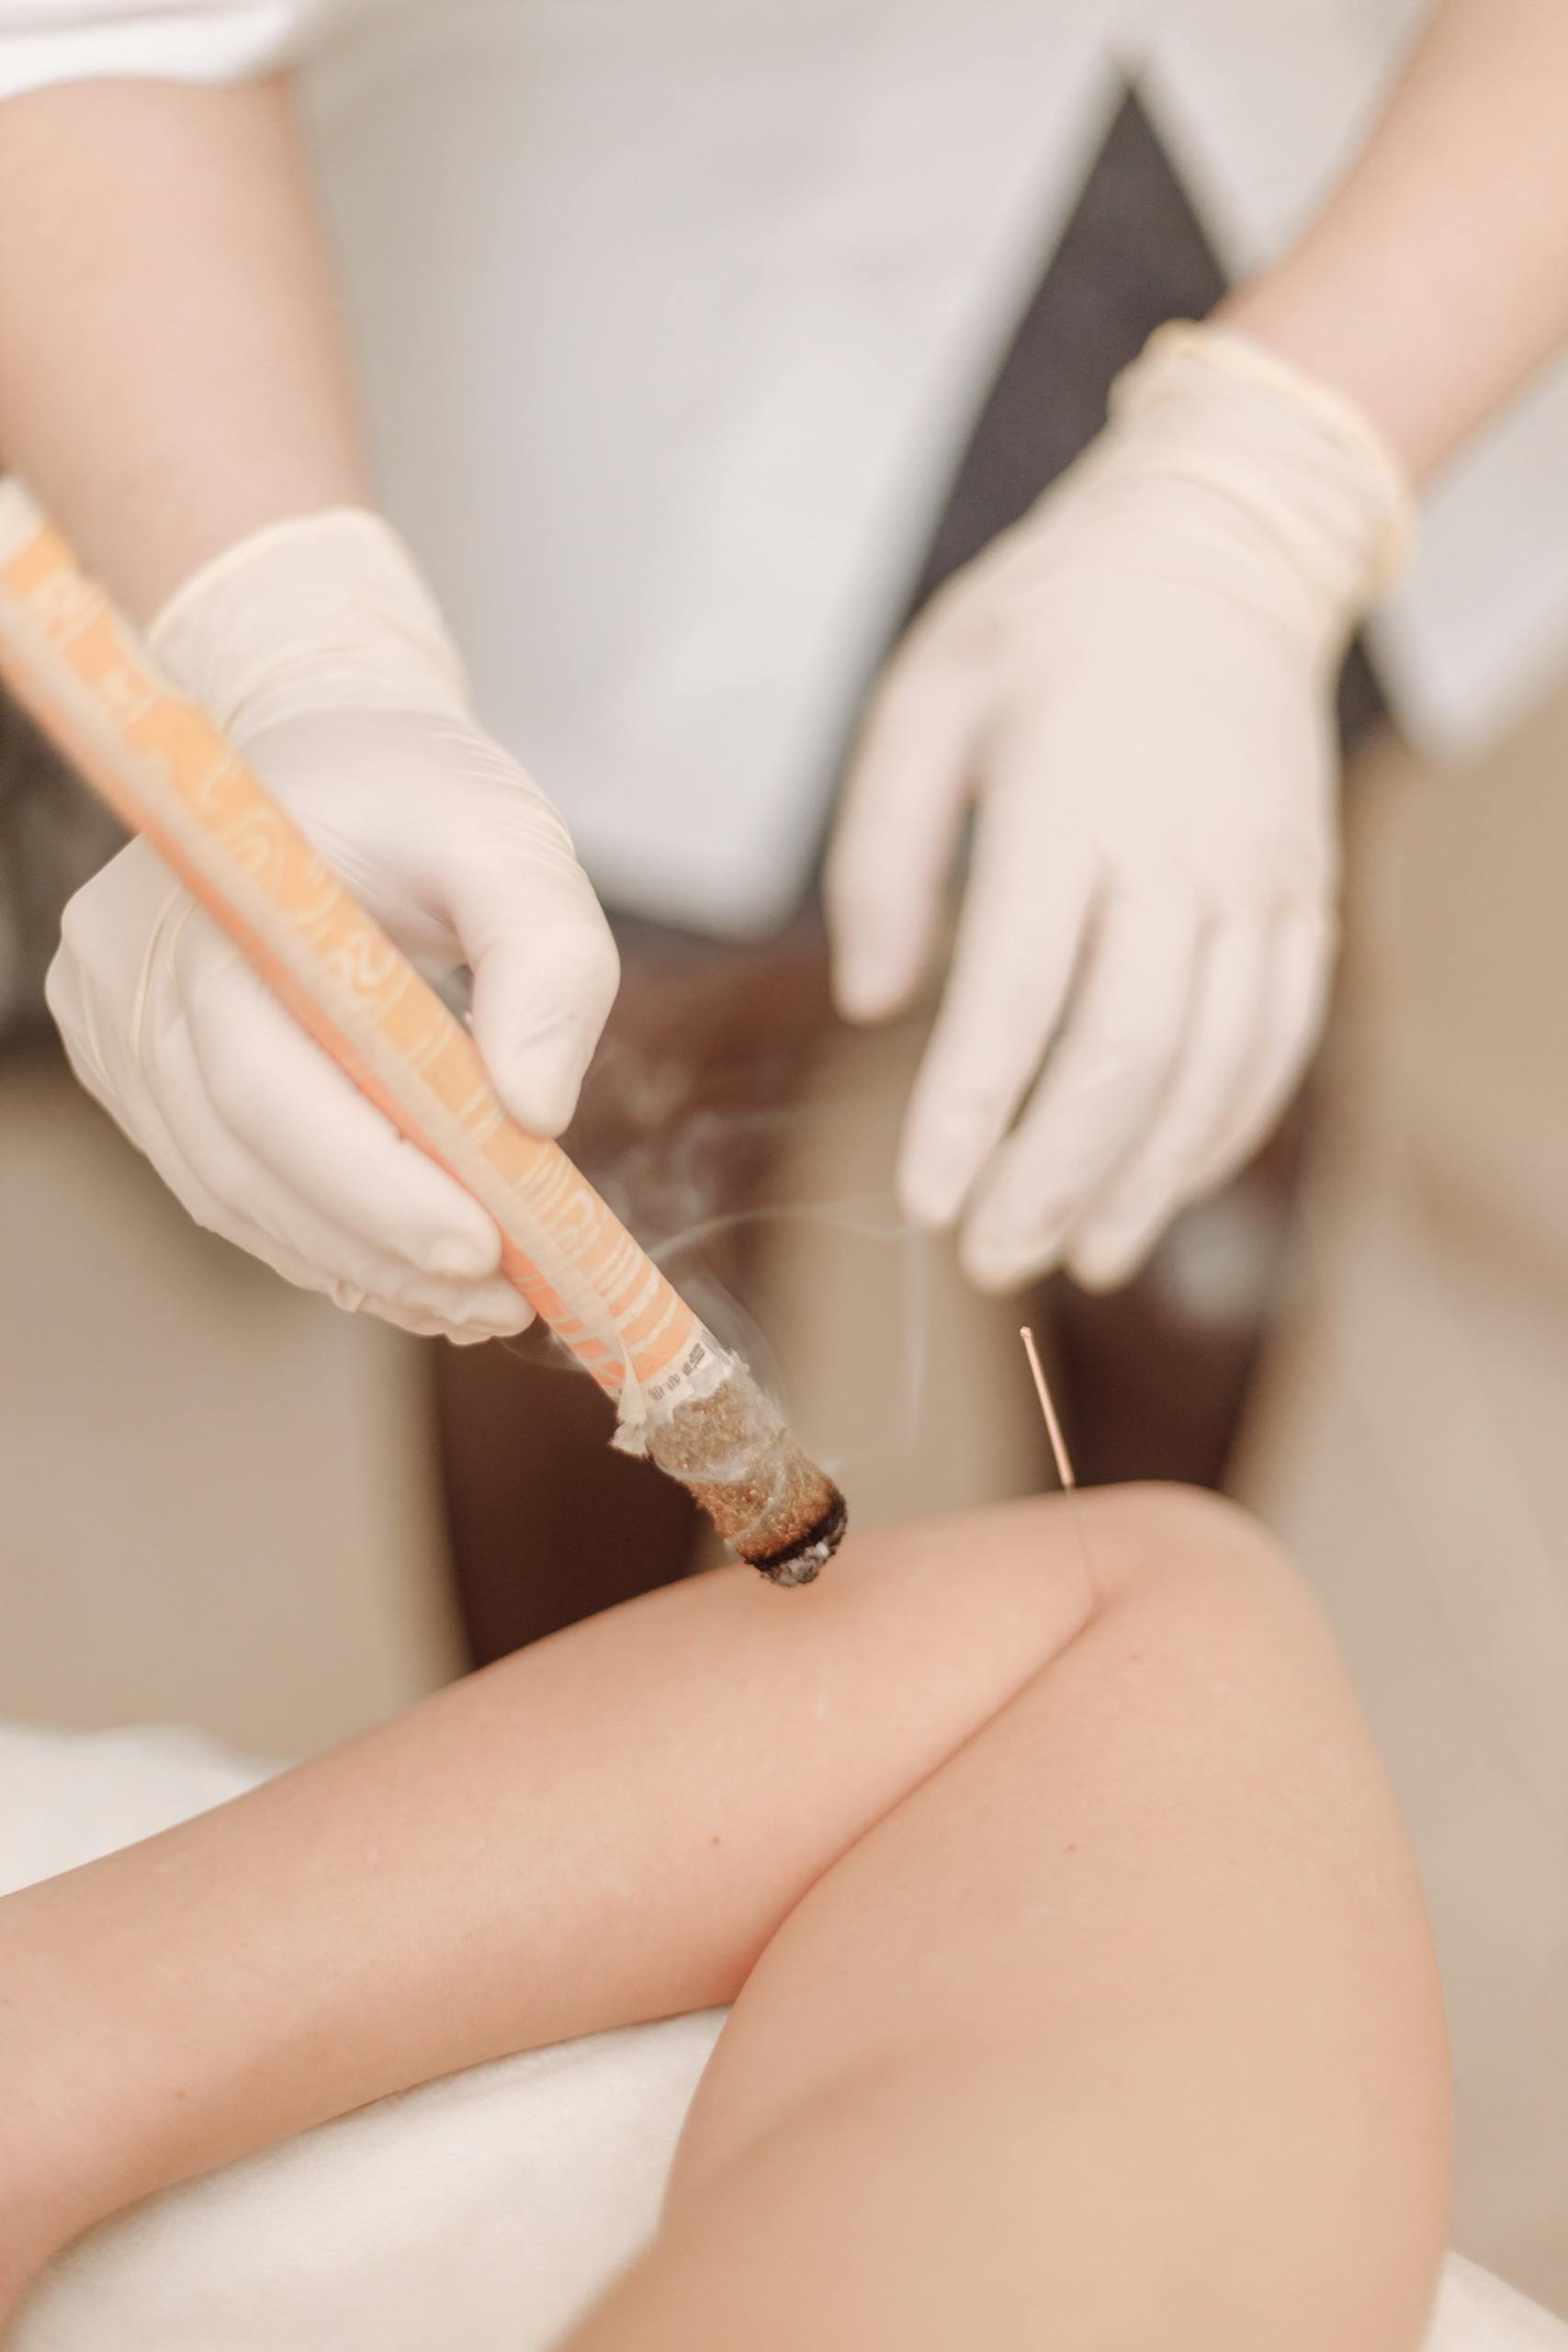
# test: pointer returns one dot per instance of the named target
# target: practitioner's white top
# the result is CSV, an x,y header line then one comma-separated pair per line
x,y
674,314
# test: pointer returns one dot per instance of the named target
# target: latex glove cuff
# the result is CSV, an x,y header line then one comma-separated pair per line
x,y
1326,495
326,612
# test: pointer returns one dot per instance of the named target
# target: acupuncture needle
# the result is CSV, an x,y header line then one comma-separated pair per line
x,y
1064,1460
1053,1426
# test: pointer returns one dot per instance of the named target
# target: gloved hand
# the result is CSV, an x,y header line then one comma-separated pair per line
x,y
1134,688
317,648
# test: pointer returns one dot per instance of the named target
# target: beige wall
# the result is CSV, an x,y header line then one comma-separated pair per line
x,y
1410,1439
217,1500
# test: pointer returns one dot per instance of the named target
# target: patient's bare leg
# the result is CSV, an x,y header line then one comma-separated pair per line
x,y
616,1823
607,1826
1118,2034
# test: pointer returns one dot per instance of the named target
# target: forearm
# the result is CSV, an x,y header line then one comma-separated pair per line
x,y
171,372
608,1827
1436,280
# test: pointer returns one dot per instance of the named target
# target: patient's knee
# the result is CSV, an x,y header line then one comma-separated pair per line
x,y
1136,1538
1189,1564
1065,1562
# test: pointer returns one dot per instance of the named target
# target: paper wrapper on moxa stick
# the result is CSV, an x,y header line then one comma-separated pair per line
x,y
166,770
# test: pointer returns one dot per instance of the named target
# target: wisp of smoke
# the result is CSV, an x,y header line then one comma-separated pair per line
x,y
686,1182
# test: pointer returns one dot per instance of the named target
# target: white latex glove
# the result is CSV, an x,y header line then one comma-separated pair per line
x,y
1134,689
316,646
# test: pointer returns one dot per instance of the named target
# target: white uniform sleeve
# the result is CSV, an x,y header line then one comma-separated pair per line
x,y
45,41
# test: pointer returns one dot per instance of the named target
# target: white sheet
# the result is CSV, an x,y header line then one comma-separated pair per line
x,y
482,2212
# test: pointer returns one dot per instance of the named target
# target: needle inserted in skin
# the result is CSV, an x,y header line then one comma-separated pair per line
x,y
1073,1506
1053,1426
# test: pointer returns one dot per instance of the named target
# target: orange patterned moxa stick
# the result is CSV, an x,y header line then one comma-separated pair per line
x,y
167,772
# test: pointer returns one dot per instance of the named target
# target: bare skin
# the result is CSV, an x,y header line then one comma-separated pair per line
x,y
1082,1974
1435,281
172,372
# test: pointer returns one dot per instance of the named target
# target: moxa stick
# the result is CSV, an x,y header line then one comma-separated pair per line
x,y
168,772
